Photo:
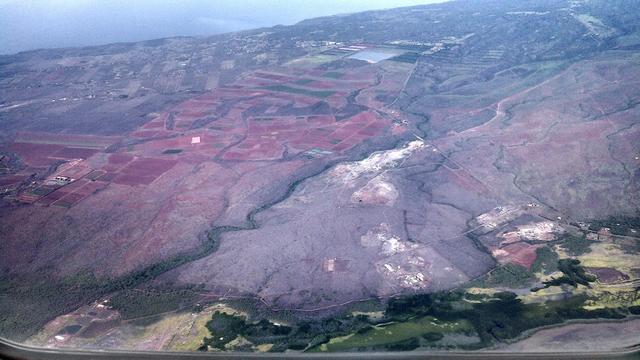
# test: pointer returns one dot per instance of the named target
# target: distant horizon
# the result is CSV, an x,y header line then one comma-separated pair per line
x,y
46,24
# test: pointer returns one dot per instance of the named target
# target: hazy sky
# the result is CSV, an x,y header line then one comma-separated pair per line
x,y
32,24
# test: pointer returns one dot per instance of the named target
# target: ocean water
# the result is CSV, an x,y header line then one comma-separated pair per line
x,y
34,24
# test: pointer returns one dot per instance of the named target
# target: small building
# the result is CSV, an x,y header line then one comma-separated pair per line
x,y
592,236
329,265
604,234
65,179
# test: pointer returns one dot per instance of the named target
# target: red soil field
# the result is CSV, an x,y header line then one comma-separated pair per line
x,y
12,179
272,76
74,153
193,188
320,85
92,187
521,254
108,176
154,125
75,185
117,161
76,171
53,197
150,133
133,180
35,154
73,140
143,171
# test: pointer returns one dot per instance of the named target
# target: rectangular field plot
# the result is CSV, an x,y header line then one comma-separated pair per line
x,y
409,57
76,185
95,174
143,171
35,154
299,91
117,161
69,200
70,140
108,177
255,149
73,153
53,197
74,169
92,188
11,180
133,180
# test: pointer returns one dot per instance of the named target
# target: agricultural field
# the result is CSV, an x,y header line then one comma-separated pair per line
x,y
328,187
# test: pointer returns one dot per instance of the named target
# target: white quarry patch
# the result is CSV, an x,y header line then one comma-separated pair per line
x,y
527,12
498,253
400,266
195,140
595,25
498,216
405,271
376,191
387,243
375,236
376,162
541,231
329,265
392,246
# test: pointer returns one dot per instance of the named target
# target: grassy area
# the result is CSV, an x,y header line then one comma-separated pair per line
x,y
466,319
610,255
311,61
508,275
409,57
27,303
573,274
303,81
546,261
172,151
293,90
619,225
425,330
225,328
333,75
575,245
138,303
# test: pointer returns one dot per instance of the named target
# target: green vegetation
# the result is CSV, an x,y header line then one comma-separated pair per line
x,y
27,303
303,81
224,328
423,320
293,90
172,151
333,74
408,57
406,335
575,245
136,303
508,275
546,261
574,274
71,329
498,317
618,225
